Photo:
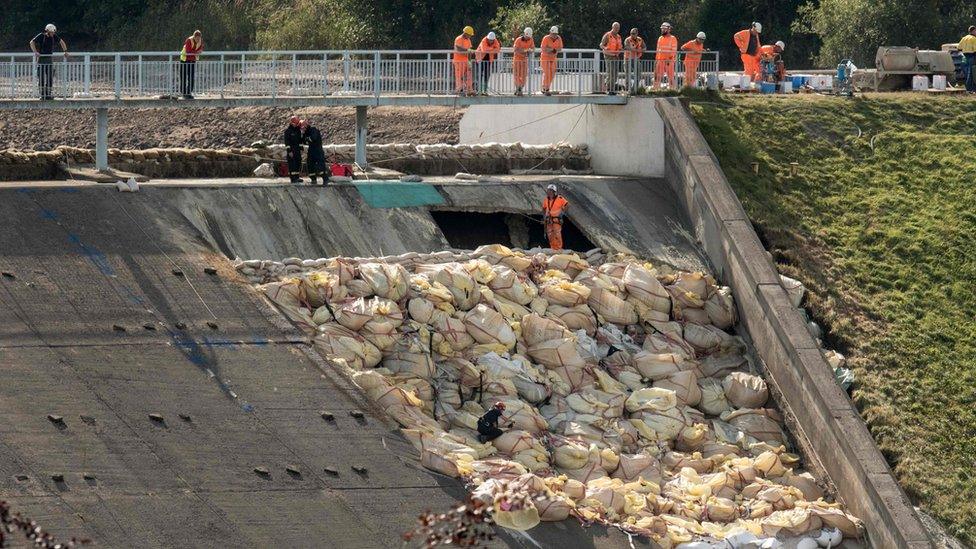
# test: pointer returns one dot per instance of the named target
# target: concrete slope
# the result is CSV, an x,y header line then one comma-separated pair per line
x,y
107,317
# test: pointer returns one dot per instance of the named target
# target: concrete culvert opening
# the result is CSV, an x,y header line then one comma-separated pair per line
x,y
468,230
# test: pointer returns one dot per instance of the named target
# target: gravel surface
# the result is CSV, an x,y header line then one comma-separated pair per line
x,y
216,128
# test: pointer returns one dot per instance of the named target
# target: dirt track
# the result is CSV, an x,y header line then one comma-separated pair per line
x,y
215,128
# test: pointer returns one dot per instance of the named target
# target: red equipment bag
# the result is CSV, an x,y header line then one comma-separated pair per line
x,y
341,170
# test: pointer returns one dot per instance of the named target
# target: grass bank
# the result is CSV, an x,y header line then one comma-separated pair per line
x,y
880,224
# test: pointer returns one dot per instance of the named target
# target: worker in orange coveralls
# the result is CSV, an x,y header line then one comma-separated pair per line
x,y
666,57
523,46
693,59
554,208
462,62
551,45
747,40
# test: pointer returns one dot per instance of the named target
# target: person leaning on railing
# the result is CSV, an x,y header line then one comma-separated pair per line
x,y
633,52
43,47
522,47
611,44
488,51
551,45
693,53
192,47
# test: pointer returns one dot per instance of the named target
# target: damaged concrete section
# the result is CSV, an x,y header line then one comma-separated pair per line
x,y
623,398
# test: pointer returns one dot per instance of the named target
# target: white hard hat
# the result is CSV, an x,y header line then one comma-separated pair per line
x,y
554,29
551,188
50,28
781,44
701,35
758,26
491,36
665,25
527,31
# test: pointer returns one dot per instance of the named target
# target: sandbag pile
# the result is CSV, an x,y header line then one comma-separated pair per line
x,y
796,291
262,271
628,403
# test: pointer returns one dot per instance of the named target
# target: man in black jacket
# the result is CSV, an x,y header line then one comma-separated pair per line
x,y
43,47
293,141
488,424
312,137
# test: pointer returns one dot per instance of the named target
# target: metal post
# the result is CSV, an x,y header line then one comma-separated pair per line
x,y
397,78
101,139
223,76
325,74
361,124
171,90
345,71
118,76
294,69
430,74
274,76
243,74
376,74
65,76
140,75
13,78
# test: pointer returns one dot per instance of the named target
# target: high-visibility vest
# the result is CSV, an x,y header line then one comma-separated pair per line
x,y
461,42
552,207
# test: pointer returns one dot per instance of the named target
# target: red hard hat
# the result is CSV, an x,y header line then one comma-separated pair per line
x,y
295,121
500,405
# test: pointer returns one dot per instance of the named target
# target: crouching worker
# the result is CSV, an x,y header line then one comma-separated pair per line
x,y
293,143
488,424
312,137
771,62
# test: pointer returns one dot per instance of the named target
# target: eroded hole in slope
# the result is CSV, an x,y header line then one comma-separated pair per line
x,y
468,230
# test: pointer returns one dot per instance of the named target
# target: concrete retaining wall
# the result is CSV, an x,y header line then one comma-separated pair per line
x,y
824,415
179,163
626,140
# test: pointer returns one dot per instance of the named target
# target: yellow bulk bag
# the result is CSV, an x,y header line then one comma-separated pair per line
x,y
613,309
564,293
536,329
643,286
557,353
520,520
385,279
510,285
745,390
487,326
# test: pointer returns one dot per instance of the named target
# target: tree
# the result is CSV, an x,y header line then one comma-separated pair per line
x,y
509,21
856,28
312,24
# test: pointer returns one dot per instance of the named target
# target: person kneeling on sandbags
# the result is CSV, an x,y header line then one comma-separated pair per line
x,y
312,137
488,424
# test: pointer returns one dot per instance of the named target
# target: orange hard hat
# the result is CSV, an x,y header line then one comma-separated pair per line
x,y
500,405
295,121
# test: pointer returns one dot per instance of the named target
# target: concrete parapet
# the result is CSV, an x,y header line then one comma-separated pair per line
x,y
833,429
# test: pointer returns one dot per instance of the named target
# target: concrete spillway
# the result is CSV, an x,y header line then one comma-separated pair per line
x,y
107,316
107,313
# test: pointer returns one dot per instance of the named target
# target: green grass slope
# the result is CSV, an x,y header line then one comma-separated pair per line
x,y
880,224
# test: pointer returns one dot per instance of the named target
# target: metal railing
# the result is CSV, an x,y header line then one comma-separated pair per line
x,y
320,73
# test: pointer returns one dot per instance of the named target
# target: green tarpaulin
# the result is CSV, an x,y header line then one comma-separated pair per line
x,y
399,195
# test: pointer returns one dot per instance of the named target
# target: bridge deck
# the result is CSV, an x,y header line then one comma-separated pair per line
x,y
311,101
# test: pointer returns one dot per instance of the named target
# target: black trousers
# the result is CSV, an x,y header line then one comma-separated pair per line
x,y
489,432
316,163
45,77
188,74
294,162
484,74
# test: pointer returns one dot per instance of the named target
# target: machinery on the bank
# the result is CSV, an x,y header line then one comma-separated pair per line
x,y
896,65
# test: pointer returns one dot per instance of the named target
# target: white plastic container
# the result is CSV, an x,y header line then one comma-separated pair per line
x,y
920,82
786,86
939,82
711,81
745,81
